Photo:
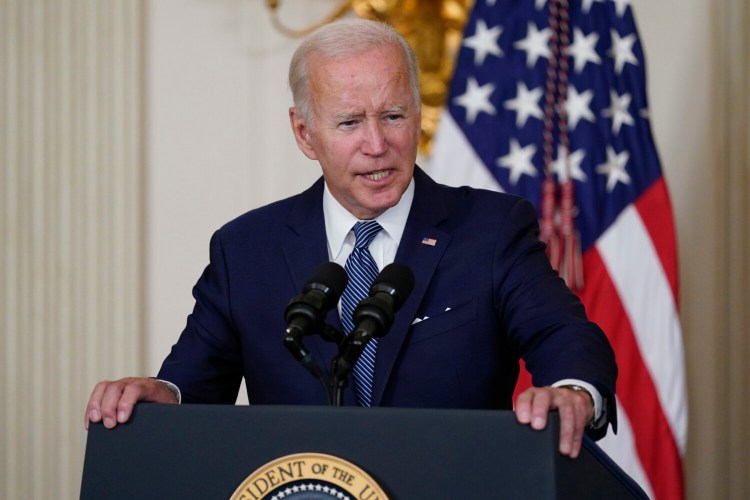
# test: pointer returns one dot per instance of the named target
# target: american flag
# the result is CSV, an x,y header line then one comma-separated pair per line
x,y
555,89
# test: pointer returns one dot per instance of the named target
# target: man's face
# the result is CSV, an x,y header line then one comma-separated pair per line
x,y
364,131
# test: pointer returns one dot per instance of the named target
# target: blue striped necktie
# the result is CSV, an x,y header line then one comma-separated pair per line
x,y
362,271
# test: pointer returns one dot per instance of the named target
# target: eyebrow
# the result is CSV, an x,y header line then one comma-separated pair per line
x,y
397,107
347,116
389,109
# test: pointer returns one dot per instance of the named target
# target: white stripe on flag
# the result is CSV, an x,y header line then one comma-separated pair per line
x,y
638,276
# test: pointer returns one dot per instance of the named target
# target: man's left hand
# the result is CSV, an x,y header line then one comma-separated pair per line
x,y
576,410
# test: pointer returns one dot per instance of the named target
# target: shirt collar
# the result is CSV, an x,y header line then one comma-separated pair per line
x,y
339,221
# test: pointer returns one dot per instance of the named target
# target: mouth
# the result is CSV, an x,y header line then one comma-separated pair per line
x,y
379,175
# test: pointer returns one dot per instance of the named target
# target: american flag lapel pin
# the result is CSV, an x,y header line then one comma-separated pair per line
x,y
429,241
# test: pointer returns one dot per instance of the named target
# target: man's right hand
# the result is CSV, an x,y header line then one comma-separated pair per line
x,y
113,402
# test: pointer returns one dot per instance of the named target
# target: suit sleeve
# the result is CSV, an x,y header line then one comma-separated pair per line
x,y
544,320
206,361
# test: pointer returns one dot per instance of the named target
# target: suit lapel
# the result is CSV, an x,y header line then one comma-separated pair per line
x,y
304,250
306,246
428,209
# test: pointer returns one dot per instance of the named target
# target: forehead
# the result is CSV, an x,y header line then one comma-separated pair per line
x,y
377,77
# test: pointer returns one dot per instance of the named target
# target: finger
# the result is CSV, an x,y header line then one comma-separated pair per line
x,y
567,413
540,408
574,409
583,415
110,402
523,406
133,392
93,408
577,442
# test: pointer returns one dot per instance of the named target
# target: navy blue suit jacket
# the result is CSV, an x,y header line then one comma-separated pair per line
x,y
485,292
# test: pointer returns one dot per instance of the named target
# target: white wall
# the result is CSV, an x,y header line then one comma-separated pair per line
x,y
219,141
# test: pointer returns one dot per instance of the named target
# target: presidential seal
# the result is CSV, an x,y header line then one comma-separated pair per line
x,y
309,476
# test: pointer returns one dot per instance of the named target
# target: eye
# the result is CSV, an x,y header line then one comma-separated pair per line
x,y
347,123
394,117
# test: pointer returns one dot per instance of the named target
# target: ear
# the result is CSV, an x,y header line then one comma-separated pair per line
x,y
301,133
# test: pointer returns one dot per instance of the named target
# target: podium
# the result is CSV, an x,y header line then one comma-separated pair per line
x,y
206,452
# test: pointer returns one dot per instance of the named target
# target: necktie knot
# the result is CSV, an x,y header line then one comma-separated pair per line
x,y
364,232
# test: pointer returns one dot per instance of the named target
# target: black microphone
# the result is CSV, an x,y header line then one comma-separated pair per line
x,y
305,313
373,316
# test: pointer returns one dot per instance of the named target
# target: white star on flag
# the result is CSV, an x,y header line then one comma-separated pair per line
x,y
618,111
484,41
622,51
614,168
536,44
569,164
518,161
621,6
583,49
525,104
578,107
476,99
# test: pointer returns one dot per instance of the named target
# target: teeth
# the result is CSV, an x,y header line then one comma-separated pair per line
x,y
376,176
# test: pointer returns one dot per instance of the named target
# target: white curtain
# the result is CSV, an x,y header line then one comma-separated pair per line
x,y
71,227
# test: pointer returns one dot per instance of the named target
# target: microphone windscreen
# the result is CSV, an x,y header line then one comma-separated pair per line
x,y
330,278
396,280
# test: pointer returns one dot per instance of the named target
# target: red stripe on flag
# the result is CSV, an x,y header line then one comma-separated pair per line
x,y
656,212
657,450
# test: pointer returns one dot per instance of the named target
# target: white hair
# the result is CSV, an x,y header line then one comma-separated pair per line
x,y
340,39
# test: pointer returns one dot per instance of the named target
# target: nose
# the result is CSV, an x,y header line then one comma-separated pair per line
x,y
374,141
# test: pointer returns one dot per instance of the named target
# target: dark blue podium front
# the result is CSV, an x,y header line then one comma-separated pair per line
x,y
206,452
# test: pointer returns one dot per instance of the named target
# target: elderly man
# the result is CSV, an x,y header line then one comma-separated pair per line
x,y
484,294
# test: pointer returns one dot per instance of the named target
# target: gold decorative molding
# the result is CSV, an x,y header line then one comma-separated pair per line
x,y
433,28
273,6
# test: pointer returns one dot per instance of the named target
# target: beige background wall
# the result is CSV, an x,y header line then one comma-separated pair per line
x,y
112,181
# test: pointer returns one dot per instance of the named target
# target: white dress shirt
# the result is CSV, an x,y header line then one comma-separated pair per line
x,y
339,224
